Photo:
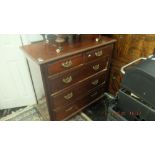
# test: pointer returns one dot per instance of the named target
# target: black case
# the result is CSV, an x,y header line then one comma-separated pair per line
x,y
133,108
140,80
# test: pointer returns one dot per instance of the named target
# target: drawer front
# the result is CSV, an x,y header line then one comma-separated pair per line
x,y
65,80
98,53
71,95
79,104
69,78
65,64
66,112
91,96
97,66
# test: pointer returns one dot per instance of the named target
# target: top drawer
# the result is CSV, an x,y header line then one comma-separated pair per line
x,y
98,53
64,64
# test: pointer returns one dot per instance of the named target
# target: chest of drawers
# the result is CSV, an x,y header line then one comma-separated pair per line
x,y
72,79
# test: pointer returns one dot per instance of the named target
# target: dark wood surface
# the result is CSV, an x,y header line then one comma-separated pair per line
x,y
99,52
65,64
74,78
47,52
80,104
77,91
57,83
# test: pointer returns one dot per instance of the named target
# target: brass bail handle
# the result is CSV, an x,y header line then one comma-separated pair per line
x,y
98,53
96,67
68,96
67,80
67,64
95,82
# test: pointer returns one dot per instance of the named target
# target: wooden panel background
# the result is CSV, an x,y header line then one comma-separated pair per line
x,y
128,48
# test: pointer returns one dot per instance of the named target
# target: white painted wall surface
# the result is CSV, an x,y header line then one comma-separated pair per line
x,y
15,84
28,38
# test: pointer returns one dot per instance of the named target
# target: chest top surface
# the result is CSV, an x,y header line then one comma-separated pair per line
x,y
43,53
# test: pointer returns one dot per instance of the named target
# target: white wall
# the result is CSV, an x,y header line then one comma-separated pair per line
x,y
28,38
15,83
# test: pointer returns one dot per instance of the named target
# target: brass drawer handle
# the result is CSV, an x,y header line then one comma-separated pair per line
x,y
69,109
89,55
67,64
96,67
67,80
92,95
95,82
68,96
98,53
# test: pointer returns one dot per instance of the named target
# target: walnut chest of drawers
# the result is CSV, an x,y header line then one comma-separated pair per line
x,y
72,79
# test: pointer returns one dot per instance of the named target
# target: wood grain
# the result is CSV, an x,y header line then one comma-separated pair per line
x,y
128,48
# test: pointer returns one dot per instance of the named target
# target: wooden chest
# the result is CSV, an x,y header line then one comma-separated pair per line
x,y
73,78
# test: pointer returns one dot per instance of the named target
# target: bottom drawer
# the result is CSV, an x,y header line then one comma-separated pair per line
x,y
71,109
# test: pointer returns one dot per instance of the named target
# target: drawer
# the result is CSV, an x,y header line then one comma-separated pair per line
x,y
97,92
97,66
72,94
98,53
64,64
68,110
71,77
